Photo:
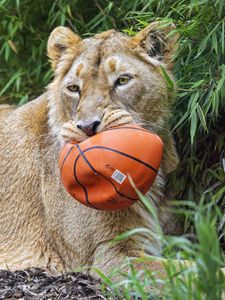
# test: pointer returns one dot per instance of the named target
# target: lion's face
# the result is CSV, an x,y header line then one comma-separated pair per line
x,y
108,80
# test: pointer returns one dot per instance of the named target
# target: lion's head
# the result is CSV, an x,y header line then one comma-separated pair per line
x,y
110,79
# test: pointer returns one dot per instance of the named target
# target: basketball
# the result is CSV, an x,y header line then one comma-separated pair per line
x,y
96,171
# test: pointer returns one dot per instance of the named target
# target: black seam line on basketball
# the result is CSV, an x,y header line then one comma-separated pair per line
x,y
95,171
122,153
67,154
83,187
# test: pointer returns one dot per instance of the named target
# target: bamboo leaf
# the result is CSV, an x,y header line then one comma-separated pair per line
x,y
220,84
12,45
223,38
193,126
202,117
214,42
11,81
169,81
130,233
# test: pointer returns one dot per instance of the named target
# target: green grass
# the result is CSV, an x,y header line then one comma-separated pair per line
x,y
197,124
192,266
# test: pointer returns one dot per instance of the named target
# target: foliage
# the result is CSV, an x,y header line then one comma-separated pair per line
x,y
199,112
197,276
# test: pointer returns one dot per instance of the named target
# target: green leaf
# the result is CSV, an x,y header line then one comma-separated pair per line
x,y
169,81
197,84
193,126
18,4
202,117
102,275
128,234
222,38
181,122
11,81
23,100
220,84
193,101
214,42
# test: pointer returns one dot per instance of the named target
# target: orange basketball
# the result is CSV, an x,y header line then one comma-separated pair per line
x,y
95,171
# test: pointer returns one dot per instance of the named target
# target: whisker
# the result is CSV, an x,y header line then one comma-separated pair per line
x,y
154,126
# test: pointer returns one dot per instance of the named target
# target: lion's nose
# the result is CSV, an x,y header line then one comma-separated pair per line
x,y
90,128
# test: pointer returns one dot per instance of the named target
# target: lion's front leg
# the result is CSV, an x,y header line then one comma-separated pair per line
x,y
117,262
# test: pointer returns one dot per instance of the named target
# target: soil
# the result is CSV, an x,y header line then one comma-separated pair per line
x,y
37,284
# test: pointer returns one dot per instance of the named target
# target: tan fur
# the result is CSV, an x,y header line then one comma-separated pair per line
x,y
40,224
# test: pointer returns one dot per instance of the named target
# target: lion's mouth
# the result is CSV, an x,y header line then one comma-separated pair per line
x,y
118,117
72,132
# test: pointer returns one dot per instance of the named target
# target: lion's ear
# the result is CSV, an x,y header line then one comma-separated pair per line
x,y
60,39
158,41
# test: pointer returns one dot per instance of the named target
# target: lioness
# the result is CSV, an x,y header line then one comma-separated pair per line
x,y
99,82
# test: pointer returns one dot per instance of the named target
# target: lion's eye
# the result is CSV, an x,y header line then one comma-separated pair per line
x,y
123,79
73,88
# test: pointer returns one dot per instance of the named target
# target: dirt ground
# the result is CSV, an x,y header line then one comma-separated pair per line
x,y
37,284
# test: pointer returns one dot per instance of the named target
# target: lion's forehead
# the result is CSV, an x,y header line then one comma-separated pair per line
x,y
102,56
106,44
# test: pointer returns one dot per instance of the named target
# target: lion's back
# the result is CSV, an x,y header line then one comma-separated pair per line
x,y
22,131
